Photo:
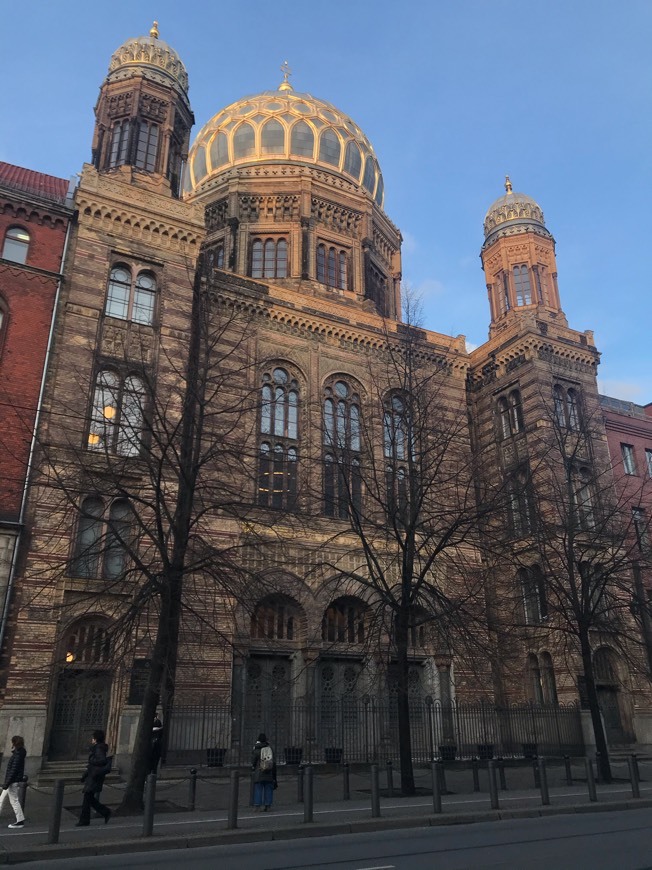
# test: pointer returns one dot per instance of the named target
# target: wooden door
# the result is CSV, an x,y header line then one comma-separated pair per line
x,y
81,707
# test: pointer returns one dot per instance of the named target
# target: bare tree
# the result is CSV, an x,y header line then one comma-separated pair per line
x,y
574,550
402,477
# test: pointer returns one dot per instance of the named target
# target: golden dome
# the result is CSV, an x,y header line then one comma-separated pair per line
x,y
513,213
153,58
283,126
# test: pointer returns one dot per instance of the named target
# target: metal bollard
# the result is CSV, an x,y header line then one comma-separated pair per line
x,y
192,789
234,789
55,813
633,776
22,791
636,768
569,772
543,780
375,792
598,774
493,790
501,774
443,788
590,779
475,768
390,780
535,771
308,794
300,774
436,793
346,789
150,799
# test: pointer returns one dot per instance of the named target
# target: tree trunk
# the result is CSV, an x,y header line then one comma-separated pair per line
x,y
403,704
594,707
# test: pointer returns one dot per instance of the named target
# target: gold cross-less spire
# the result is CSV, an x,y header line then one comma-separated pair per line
x,y
508,184
287,72
154,31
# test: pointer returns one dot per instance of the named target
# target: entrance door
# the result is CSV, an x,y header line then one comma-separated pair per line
x,y
81,707
613,723
268,702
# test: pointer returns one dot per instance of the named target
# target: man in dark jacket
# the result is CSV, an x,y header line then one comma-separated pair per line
x,y
263,764
93,779
13,775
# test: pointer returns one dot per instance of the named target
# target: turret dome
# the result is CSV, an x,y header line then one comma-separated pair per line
x,y
153,58
284,126
513,213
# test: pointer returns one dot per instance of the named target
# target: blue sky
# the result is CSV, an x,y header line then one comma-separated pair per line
x,y
453,95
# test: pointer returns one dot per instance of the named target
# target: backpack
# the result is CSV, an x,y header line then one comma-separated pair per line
x,y
266,758
108,767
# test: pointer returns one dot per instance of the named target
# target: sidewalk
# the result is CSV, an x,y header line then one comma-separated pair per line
x,y
175,827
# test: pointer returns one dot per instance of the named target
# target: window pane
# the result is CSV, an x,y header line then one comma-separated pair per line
x,y
279,412
342,275
293,400
257,259
115,555
131,422
355,428
219,150
303,140
329,422
321,264
329,148
117,300
270,258
16,245
264,470
89,533
273,138
353,160
199,164
331,267
266,411
380,190
105,411
282,259
369,179
143,310
244,142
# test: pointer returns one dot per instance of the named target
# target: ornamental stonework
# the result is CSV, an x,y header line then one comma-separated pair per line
x,y
281,208
337,217
153,107
120,104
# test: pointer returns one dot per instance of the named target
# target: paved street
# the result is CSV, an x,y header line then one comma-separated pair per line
x,y
604,841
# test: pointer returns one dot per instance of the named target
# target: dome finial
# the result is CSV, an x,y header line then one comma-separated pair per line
x,y
154,31
508,184
287,72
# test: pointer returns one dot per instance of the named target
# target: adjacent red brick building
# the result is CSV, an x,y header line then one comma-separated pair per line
x,y
35,220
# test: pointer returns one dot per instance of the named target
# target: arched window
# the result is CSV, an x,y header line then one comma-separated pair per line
x,y
559,401
353,160
117,535
343,621
533,683
302,141
342,435
244,143
119,144
397,437
533,590
521,503
272,139
583,498
275,618
117,416
369,178
522,286
89,643
549,683
147,149
503,418
219,150
101,539
199,168
269,259
127,299
605,667
516,411
572,407
567,407
279,427
16,245
380,189
87,550
330,148
332,266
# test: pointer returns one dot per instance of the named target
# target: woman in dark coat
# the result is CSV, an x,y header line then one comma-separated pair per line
x,y
13,775
93,779
264,780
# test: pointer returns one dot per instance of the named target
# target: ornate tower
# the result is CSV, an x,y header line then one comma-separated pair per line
x,y
143,117
518,258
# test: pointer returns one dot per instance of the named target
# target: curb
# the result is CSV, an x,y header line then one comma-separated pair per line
x,y
223,837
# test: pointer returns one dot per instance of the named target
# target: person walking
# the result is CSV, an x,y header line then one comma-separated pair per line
x,y
156,746
93,779
13,775
263,765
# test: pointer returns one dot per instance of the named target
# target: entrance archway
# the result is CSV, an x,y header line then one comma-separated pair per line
x,y
83,691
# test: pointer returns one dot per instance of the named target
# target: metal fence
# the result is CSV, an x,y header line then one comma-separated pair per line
x,y
365,730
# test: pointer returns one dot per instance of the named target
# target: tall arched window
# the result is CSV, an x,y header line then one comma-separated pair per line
x,y
272,138
88,642
567,407
533,590
533,684
269,258
332,266
582,491
330,148
342,437
276,617
117,535
522,286
119,143
548,680
16,245
129,297
397,438
219,150
279,428
503,418
521,503
353,160
302,141
117,417
147,148
369,178
88,544
510,414
244,142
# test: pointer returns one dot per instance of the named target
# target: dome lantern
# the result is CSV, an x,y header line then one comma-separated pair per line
x,y
511,214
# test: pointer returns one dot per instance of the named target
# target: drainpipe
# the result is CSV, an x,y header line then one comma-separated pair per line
x,y
23,504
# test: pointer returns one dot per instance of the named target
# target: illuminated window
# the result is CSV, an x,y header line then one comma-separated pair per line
x,y
279,428
117,416
130,298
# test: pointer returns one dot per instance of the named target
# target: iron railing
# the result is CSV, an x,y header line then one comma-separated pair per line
x,y
366,730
